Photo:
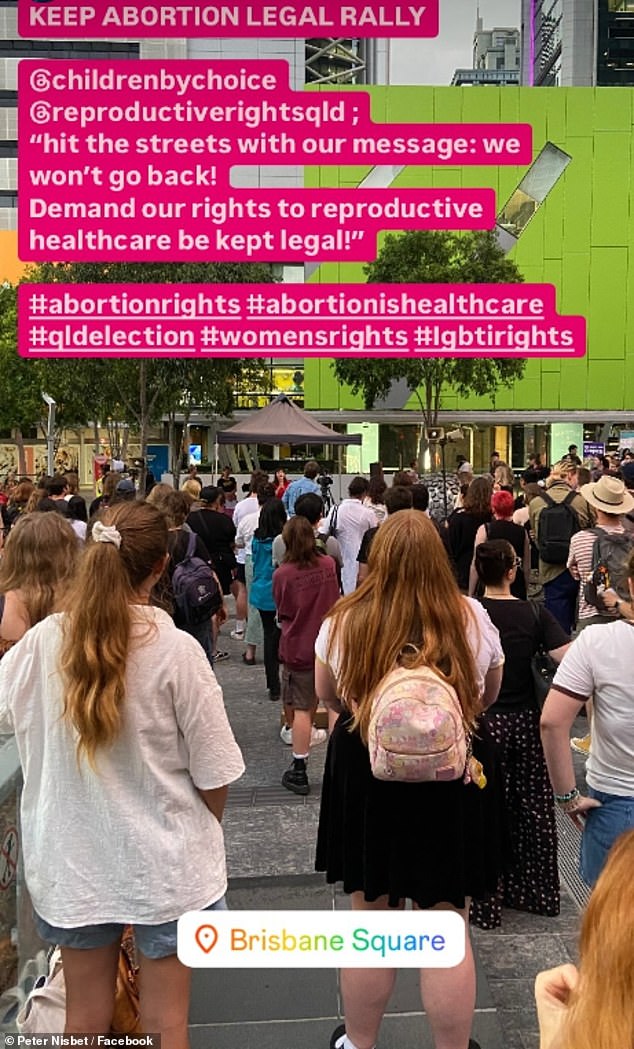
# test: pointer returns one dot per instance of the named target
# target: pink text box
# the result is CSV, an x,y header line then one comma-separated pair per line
x,y
326,320
68,19
267,226
132,160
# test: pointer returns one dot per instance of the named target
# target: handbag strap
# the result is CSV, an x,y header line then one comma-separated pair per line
x,y
535,609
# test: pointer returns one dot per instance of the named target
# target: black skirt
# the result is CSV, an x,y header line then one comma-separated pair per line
x,y
427,842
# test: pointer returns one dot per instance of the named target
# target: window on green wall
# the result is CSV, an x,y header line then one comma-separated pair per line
x,y
533,189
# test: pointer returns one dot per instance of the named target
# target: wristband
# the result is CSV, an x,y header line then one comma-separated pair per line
x,y
571,801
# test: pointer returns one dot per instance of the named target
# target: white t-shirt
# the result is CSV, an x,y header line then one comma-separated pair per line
x,y
244,532
134,841
483,637
352,522
600,663
245,507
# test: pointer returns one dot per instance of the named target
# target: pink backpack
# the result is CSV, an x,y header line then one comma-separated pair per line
x,y
417,731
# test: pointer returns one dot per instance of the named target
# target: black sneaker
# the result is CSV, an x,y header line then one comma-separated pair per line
x,y
337,1036
295,778
473,1044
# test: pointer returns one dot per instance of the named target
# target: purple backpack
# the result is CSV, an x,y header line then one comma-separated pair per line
x,y
197,596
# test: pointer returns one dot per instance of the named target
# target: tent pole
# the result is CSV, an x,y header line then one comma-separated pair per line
x,y
216,454
339,447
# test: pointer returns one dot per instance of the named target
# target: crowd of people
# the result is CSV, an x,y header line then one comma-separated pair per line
x,y
109,633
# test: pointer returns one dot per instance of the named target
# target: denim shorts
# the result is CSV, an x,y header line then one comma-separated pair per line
x,y
153,941
603,826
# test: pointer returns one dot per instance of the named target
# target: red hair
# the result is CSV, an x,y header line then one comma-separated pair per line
x,y
502,504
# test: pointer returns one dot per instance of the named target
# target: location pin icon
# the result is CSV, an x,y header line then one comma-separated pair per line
x,y
206,937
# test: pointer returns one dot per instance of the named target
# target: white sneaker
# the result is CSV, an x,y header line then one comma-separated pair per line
x,y
317,735
237,635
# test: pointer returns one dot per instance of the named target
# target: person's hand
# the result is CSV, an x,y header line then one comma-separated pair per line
x,y
610,598
582,806
552,998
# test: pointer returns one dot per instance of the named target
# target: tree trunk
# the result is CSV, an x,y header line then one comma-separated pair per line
x,y
171,444
144,427
185,437
125,440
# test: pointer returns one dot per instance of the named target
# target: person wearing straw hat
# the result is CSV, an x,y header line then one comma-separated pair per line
x,y
609,499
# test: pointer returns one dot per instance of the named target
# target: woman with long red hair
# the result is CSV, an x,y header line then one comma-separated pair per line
x,y
592,1007
435,843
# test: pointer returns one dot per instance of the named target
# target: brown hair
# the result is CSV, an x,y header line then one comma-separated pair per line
x,y
98,624
531,491
478,497
21,493
601,1012
376,490
299,540
402,477
410,597
109,486
175,507
158,495
39,559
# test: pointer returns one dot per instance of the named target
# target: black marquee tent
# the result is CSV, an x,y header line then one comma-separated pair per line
x,y
282,422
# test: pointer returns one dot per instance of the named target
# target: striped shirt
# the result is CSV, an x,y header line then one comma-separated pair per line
x,y
580,564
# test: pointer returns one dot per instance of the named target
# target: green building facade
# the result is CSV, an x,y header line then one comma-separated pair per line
x,y
581,240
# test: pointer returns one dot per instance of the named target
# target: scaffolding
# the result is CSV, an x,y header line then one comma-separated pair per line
x,y
337,60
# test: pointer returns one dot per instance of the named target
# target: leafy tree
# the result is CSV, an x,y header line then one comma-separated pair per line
x,y
435,257
142,390
21,404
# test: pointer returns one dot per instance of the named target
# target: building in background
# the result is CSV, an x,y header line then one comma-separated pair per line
x,y
577,240
335,61
496,58
577,43
325,61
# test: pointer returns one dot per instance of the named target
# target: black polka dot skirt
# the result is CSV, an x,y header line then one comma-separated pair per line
x,y
531,880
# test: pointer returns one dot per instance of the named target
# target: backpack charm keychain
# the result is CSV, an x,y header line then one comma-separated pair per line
x,y
474,771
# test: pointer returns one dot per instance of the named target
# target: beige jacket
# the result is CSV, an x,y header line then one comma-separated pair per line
x,y
558,491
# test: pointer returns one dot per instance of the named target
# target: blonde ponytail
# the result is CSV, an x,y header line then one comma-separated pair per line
x,y
98,623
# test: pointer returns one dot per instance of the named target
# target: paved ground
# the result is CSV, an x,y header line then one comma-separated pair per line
x,y
270,838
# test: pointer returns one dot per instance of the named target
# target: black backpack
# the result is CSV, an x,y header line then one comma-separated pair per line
x,y
197,596
556,526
